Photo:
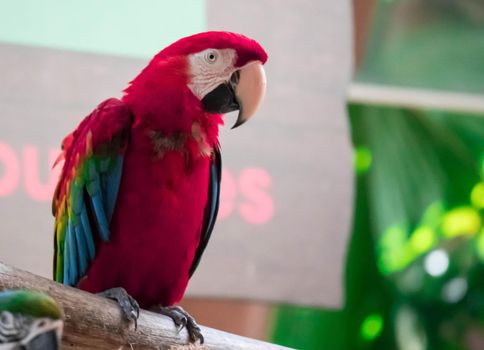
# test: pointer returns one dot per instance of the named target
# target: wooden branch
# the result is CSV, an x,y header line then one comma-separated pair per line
x,y
93,322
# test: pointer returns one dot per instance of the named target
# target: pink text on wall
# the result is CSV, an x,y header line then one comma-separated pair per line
x,y
29,169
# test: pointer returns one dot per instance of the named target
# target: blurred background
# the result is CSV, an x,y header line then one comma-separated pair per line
x,y
356,219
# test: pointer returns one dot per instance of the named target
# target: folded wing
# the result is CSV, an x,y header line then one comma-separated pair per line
x,y
85,198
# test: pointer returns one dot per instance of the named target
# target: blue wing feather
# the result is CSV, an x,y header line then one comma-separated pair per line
x,y
88,237
211,209
67,270
102,222
113,186
72,259
81,245
214,194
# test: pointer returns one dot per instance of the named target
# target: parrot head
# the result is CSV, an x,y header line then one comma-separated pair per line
x,y
213,72
29,320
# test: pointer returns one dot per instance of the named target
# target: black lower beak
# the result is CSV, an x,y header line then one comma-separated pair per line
x,y
44,341
221,99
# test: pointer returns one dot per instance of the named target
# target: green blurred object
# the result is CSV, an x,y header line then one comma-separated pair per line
x,y
31,303
433,44
415,267
29,320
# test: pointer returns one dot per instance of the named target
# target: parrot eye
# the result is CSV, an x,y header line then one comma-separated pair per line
x,y
211,56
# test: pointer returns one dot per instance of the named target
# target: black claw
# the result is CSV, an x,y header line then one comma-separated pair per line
x,y
180,323
182,319
135,307
195,334
134,318
128,304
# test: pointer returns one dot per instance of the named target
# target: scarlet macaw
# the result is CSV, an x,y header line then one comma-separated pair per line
x,y
138,194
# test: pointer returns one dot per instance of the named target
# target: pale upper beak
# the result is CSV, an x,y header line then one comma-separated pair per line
x,y
250,91
244,92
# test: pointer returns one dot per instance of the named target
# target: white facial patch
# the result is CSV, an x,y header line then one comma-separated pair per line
x,y
209,69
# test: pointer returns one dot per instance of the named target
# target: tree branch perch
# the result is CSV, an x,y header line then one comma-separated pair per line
x,y
96,323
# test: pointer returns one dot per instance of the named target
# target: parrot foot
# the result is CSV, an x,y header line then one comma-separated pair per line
x,y
127,303
182,319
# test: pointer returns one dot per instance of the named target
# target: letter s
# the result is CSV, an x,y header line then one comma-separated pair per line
x,y
254,185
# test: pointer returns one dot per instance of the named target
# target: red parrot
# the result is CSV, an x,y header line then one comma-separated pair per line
x,y
138,194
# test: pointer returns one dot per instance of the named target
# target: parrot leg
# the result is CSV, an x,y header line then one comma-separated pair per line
x,y
182,319
127,303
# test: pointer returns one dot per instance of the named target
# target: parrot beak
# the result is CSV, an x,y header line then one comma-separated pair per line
x,y
44,334
48,340
249,91
244,92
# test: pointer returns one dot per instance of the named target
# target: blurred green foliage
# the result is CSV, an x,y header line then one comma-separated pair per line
x,y
416,257
437,44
